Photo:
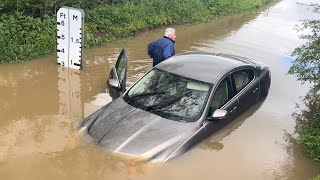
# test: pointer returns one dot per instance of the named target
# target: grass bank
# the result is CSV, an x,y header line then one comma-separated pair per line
x,y
25,36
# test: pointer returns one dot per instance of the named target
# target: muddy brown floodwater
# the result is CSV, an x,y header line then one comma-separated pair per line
x,y
42,104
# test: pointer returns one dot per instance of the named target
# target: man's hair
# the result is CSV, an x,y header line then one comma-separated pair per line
x,y
169,31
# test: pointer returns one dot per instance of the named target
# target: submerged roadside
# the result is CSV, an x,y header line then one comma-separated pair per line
x,y
28,31
306,67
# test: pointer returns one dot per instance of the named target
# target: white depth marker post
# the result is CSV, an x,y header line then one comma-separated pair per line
x,y
70,22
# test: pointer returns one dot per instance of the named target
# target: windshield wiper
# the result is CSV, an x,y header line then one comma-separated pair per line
x,y
166,103
146,94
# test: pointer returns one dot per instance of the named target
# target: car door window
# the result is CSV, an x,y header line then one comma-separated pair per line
x,y
121,66
222,94
242,78
118,73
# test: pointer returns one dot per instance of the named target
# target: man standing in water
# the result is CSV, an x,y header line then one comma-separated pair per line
x,y
162,48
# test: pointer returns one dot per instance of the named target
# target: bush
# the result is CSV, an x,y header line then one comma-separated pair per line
x,y
308,125
306,67
25,37
310,138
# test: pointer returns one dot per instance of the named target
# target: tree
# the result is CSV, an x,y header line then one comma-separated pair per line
x,y
306,66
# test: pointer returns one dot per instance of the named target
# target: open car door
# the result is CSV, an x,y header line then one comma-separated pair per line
x,y
117,78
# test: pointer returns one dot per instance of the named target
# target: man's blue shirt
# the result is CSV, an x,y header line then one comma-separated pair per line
x,y
161,49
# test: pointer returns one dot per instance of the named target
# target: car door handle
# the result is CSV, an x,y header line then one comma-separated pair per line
x,y
255,90
233,109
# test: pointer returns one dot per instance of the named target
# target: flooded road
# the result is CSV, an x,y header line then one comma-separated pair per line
x,y
42,104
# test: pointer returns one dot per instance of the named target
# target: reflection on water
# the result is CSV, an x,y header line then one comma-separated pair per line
x,y
213,143
69,86
24,88
41,105
303,114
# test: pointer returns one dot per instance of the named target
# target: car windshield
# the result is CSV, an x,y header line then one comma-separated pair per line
x,y
169,95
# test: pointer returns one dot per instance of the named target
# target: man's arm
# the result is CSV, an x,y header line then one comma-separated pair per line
x,y
150,49
168,51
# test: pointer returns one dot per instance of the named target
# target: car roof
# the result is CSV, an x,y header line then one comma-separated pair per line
x,y
202,66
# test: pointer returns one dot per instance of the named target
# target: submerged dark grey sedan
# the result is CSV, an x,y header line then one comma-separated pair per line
x,y
176,104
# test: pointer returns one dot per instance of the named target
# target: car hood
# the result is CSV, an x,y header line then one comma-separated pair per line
x,y
125,129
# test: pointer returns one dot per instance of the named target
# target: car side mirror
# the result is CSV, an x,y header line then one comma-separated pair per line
x,y
219,114
113,83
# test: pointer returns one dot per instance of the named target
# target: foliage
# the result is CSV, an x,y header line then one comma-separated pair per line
x,y
310,138
28,29
225,7
38,8
306,67
120,21
25,37
308,124
307,64
312,102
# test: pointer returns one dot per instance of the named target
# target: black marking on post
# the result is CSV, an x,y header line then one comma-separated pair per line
x,y
76,64
58,50
59,63
58,23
